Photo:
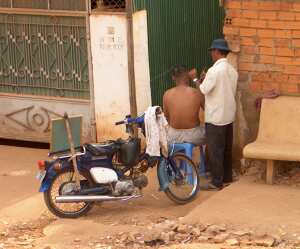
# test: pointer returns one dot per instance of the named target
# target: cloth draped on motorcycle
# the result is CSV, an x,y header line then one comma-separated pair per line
x,y
156,132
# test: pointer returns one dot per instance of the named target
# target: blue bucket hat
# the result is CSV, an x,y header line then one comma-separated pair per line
x,y
220,44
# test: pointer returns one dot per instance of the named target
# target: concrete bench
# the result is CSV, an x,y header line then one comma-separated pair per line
x,y
279,133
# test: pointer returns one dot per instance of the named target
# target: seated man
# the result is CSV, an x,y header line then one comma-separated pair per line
x,y
181,106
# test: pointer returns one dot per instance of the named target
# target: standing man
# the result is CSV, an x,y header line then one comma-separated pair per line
x,y
219,88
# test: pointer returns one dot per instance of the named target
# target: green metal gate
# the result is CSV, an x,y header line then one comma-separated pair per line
x,y
179,32
43,48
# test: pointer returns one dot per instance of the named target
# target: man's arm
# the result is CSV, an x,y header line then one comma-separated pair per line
x,y
202,99
208,83
193,74
165,106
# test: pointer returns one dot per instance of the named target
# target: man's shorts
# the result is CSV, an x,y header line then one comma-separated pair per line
x,y
195,135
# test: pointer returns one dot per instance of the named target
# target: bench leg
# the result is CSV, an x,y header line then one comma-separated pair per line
x,y
270,171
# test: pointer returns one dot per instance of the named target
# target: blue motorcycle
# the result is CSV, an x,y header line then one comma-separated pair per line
x,y
113,171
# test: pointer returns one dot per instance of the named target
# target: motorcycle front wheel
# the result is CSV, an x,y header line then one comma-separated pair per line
x,y
184,181
64,182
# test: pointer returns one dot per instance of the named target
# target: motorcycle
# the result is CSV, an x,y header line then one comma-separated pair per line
x,y
113,171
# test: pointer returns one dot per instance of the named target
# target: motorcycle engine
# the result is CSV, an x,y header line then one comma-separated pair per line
x,y
140,181
124,188
128,187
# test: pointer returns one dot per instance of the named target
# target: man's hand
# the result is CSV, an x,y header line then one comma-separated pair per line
x,y
202,76
193,74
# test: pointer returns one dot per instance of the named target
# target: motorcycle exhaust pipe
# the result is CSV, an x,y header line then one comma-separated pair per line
x,y
93,198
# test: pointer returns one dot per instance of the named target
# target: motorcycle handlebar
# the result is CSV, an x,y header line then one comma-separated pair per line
x,y
120,122
130,120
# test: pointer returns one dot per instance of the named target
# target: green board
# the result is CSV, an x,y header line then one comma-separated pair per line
x,y
59,135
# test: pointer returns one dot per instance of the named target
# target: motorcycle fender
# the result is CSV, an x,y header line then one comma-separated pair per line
x,y
50,175
162,174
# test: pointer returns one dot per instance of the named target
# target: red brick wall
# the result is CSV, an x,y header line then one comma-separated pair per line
x,y
265,36
268,36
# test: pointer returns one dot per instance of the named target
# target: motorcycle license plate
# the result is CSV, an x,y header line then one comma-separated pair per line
x,y
41,175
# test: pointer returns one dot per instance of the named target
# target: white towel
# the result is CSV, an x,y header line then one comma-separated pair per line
x,y
156,132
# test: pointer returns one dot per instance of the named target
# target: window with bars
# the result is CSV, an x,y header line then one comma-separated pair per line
x,y
109,5
67,5
45,56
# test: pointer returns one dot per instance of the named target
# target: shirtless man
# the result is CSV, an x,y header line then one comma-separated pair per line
x,y
181,106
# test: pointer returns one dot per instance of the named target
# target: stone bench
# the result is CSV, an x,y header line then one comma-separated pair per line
x,y
278,136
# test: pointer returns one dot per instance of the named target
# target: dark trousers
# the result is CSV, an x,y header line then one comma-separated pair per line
x,y
219,142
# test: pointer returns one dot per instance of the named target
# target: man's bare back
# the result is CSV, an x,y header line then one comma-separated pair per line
x,y
181,107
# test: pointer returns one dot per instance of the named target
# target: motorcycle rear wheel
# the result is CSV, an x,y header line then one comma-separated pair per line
x,y
190,183
64,210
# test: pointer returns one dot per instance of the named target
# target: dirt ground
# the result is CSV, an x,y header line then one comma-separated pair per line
x,y
260,207
25,222
18,166
18,183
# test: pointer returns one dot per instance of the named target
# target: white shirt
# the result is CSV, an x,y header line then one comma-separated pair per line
x,y
156,132
219,88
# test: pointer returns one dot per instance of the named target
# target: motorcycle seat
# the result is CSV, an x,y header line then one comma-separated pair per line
x,y
102,149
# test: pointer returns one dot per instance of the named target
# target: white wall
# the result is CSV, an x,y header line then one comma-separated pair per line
x,y
29,117
110,68
141,61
